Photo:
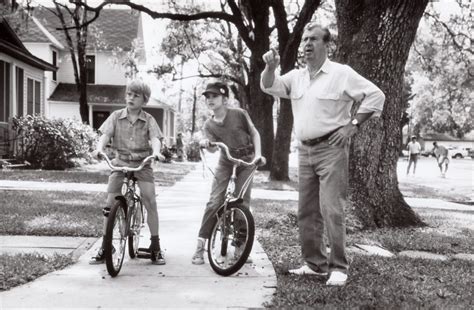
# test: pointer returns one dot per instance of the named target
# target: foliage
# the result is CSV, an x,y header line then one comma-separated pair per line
x,y
22,268
440,66
193,151
52,144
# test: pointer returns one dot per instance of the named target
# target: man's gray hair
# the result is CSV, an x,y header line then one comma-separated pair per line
x,y
311,25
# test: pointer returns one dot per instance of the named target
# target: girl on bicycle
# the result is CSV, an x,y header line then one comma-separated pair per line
x,y
233,127
135,135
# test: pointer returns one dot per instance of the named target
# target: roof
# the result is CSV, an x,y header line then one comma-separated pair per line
x,y
98,94
10,44
113,28
107,94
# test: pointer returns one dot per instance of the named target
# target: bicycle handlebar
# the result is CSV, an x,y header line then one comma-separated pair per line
x,y
127,169
225,148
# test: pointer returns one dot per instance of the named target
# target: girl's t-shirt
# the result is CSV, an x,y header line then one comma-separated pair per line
x,y
233,131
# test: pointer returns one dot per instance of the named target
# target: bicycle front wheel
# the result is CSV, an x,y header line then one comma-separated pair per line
x,y
136,221
116,238
231,240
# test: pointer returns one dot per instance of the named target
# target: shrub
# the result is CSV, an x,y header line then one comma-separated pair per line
x,y
52,144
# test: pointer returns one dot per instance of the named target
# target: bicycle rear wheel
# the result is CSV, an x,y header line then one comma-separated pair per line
x,y
136,220
116,238
231,240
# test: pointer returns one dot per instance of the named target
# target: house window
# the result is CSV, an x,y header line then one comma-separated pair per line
x,y
55,62
20,86
33,100
90,64
4,91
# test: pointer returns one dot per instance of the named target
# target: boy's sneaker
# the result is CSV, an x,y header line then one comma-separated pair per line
x,y
98,259
157,258
198,257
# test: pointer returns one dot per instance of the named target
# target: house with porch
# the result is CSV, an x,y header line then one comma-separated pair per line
x,y
113,38
22,80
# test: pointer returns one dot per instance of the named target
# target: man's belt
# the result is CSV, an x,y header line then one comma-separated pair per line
x,y
311,142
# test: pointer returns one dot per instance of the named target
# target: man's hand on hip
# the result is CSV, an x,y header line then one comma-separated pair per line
x,y
342,136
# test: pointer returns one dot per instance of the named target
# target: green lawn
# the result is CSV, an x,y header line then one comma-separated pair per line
x,y
22,268
51,213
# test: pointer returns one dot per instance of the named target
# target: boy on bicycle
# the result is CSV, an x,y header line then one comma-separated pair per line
x,y
135,135
233,127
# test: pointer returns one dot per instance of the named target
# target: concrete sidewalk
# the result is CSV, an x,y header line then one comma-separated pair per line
x,y
178,284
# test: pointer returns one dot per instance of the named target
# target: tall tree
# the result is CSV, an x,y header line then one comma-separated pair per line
x,y
442,78
375,39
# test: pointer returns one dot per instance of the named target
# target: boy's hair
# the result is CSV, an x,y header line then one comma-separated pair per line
x,y
140,87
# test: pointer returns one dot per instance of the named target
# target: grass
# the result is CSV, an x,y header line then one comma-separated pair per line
x,y
51,213
165,174
374,282
22,268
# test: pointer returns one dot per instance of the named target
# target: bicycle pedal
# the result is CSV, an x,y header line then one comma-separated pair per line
x,y
144,253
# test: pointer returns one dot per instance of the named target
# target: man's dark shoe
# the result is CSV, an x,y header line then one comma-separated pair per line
x,y
157,258
98,259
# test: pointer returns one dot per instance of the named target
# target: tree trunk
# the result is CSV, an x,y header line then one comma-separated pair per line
x,y
260,104
375,39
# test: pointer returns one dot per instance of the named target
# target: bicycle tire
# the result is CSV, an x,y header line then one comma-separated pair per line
x,y
135,227
226,265
116,238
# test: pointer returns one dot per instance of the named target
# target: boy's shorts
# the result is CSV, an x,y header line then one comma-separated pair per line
x,y
116,178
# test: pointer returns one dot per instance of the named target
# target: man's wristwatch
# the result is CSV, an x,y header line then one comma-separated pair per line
x,y
355,122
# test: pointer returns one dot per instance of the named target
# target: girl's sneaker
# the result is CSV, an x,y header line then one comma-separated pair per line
x,y
157,258
198,257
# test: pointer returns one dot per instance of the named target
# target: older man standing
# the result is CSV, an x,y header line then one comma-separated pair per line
x,y
322,95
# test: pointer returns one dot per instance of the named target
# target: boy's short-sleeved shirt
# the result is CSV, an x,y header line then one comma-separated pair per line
x,y
131,141
233,131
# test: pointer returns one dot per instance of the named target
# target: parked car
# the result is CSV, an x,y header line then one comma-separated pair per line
x,y
470,152
427,153
457,152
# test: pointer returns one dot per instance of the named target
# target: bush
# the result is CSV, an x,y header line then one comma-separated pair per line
x,y
52,144
193,151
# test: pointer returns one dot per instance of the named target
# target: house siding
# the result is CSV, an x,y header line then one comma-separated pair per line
x,y
29,72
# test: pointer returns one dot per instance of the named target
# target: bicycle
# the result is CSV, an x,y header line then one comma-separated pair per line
x,y
233,234
124,220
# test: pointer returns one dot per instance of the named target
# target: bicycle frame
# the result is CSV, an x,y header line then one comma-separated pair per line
x,y
229,216
129,188
131,221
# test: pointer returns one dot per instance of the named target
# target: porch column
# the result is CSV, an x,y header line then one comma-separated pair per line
x,y
91,121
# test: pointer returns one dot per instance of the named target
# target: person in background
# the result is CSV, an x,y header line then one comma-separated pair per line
x,y
414,149
179,147
442,157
